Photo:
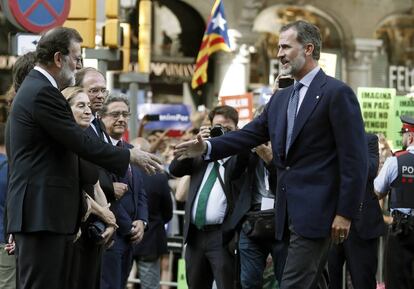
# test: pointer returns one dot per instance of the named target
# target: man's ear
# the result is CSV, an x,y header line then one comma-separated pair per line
x,y
58,59
309,47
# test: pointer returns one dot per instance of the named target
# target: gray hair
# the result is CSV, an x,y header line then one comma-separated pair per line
x,y
113,97
307,33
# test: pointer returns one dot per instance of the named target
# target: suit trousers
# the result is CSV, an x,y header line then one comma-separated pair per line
x,y
116,265
207,259
43,260
361,258
253,256
399,261
305,266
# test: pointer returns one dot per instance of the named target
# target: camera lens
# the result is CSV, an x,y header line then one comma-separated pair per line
x,y
217,130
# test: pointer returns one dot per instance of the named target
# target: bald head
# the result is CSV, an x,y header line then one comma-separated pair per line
x,y
141,143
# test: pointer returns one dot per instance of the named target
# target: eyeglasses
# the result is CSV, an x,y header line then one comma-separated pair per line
x,y
94,91
117,114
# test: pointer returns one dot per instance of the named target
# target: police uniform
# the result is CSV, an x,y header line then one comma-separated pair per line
x,y
397,178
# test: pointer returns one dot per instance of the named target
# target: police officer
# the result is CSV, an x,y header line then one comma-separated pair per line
x,y
397,177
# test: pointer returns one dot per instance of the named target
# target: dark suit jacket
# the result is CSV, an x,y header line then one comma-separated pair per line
x,y
369,222
247,187
160,209
45,142
196,167
325,170
105,177
134,204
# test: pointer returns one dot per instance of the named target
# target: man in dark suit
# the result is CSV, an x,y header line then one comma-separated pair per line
x,y
319,148
360,250
131,210
44,197
209,203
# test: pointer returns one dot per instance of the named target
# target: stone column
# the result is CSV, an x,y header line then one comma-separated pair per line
x,y
360,62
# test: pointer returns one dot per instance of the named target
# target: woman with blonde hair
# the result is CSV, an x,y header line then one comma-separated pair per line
x,y
98,222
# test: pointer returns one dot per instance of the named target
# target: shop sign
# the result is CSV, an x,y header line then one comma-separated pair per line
x,y
401,78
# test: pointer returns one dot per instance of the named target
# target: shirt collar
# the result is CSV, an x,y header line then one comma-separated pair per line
x,y
47,75
410,148
307,79
114,141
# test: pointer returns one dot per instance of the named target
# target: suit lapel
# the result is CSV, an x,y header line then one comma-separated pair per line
x,y
311,99
201,167
281,107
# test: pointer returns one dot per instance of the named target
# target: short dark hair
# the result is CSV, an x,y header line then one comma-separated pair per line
x,y
307,33
2,132
80,75
113,98
22,67
57,39
226,111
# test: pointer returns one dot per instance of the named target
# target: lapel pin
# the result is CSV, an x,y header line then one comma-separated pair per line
x,y
317,97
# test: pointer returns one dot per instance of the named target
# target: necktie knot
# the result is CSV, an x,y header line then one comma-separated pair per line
x,y
298,85
119,143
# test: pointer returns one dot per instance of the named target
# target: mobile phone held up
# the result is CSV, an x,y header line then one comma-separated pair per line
x,y
285,82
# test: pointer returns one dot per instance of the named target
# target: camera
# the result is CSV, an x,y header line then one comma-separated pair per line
x,y
285,82
217,130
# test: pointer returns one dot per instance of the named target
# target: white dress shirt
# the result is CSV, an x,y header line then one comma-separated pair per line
x,y
217,202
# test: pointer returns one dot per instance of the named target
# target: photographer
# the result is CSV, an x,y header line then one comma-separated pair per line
x,y
210,201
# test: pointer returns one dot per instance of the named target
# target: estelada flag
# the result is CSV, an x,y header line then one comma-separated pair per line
x,y
215,38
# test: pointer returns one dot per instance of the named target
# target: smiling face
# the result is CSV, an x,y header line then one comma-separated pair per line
x,y
116,119
81,110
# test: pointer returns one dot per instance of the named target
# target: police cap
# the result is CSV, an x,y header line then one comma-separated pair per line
x,y
407,123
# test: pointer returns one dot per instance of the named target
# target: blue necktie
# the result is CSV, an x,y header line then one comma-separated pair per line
x,y
291,113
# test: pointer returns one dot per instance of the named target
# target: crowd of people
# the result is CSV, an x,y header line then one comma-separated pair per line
x,y
299,184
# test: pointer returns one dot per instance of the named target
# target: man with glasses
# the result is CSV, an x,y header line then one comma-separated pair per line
x,y
131,211
44,146
397,178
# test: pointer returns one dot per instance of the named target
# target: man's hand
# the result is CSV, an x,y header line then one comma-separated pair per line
x,y
109,231
340,229
204,132
191,149
148,162
120,189
10,246
137,231
264,151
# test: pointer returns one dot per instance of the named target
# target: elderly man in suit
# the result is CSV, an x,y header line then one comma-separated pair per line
x,y
319,148
131,210
360,250
44,197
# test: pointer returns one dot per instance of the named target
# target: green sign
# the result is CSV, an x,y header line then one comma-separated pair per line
x,y
376,105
